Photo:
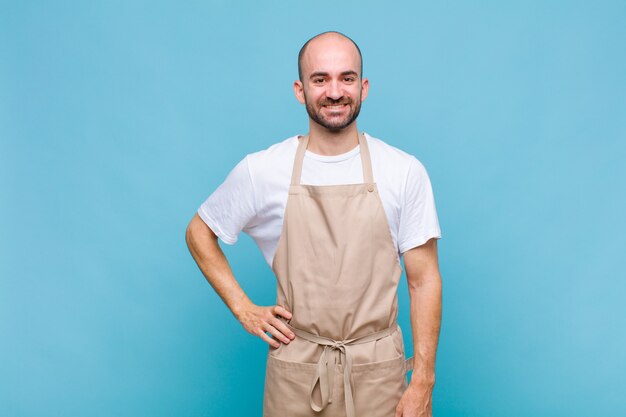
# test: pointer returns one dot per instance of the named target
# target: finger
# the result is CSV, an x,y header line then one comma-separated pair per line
x,y
267,339
282,311
277,335
282,327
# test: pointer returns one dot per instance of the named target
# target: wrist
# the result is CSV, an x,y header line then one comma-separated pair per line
x,y
240,307
423,381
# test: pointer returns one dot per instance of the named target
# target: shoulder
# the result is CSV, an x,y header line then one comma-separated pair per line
x,y
393,160
274,162
276,152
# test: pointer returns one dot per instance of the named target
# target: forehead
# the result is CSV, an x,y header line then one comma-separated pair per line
x,y
331,54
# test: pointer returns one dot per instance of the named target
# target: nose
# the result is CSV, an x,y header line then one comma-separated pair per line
x,y
334,90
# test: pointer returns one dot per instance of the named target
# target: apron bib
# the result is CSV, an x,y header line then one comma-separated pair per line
x,y
337,271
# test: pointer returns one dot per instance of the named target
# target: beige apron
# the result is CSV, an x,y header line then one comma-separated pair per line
x,y
338,271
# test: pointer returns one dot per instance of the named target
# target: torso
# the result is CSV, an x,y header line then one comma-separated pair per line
x,y
337,271
271,170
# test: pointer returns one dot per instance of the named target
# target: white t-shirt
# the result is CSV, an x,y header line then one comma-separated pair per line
x,y
253,197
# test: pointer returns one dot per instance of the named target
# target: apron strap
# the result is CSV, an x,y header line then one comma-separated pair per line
x,y
299,160
366,161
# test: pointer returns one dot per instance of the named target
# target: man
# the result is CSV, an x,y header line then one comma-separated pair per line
x,y
332,211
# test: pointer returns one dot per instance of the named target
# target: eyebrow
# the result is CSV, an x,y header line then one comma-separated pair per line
x,y
325,74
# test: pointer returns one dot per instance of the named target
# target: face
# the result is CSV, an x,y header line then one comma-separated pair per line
x,y
331,88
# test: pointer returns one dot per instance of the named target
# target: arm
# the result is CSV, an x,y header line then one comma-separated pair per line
x,y
424,281
257,320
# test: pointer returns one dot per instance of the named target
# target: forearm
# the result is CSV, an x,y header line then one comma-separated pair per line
x,y
206,251
425,313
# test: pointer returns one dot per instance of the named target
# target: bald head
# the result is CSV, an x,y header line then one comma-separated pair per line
x,y
323,39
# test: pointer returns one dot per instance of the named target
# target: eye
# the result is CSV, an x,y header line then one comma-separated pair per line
x,y
318,80
349,79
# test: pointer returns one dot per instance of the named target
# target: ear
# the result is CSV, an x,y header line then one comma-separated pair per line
x,y
298,89
365,87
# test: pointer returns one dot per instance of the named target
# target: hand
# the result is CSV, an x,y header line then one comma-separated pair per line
x,y
258,320
416,401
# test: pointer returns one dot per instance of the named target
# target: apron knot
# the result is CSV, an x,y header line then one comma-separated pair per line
x,y
322,385
338,344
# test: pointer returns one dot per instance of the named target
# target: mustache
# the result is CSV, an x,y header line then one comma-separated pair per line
x,y
342,100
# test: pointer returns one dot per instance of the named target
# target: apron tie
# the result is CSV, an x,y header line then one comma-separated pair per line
x,y
324,372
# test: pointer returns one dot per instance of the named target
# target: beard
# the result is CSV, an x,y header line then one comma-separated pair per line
x,y
333,124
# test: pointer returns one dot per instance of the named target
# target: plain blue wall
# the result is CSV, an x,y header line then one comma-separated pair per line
x,y
118,118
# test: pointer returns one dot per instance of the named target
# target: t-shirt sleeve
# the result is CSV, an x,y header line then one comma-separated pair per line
x,y
230,208
418,215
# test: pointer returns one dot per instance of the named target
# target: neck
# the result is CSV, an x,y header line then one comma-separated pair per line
x,y
328,142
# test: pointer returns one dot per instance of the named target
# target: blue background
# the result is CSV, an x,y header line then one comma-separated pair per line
x,y
118,118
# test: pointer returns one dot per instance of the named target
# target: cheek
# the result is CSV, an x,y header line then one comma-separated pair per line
x,y
317,98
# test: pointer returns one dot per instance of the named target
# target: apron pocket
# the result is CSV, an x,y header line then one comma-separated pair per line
x,y
287,388
378,387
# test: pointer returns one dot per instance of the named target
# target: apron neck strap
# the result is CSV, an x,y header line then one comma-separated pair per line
x,y
366,160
